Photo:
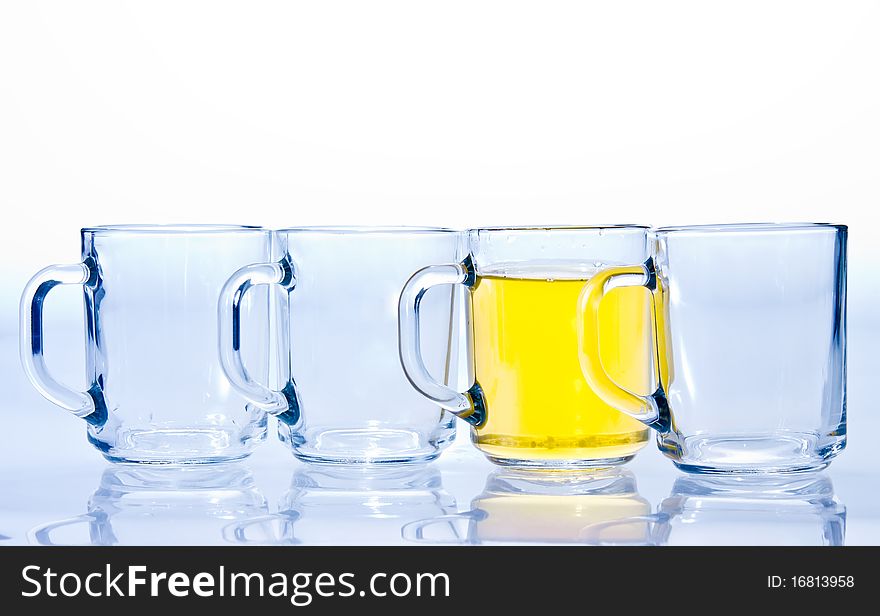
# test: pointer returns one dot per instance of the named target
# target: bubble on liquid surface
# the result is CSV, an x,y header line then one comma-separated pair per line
x,y
550,270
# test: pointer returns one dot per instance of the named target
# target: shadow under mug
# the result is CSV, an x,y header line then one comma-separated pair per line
x,y
800,510
751,510
545,507
156,391
750,335
163,505
344,397
529,405
352,506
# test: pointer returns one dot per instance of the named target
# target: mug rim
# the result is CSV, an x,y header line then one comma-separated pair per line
x,y
746,227
365,229
171,229
560,228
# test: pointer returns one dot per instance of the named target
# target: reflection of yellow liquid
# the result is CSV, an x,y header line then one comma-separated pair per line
x,y
579,518
539,406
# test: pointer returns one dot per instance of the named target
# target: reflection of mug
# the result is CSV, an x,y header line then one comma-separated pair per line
x,y
160,506
752,511
751,341
156,391
560,507
348,507
346,398
529,405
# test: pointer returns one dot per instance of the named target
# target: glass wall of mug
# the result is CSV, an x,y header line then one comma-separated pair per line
x,y
528,405
750,330
343,396
155,392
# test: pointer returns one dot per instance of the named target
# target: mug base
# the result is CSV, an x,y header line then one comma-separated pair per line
x,y
159,461
177,446
702,469
367,446
752,455
558,465
365,460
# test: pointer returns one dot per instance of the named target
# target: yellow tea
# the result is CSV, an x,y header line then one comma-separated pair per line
x,y
609,518
539,407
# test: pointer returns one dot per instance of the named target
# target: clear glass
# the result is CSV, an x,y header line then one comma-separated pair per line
x,y
788,509
750,327
156,391
528,405
136,505
343,397
800,510
558,507
368,505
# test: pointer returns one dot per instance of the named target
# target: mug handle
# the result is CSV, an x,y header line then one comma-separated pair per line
x,y
88,405
592,533
237,532
41,535
469,405
652,410
415,531
283,404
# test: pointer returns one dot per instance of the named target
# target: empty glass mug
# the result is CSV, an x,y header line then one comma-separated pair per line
x,y
328,505
750,330
156,393
160,505
775,510
343,397
529,404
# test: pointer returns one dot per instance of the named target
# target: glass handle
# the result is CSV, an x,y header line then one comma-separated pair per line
x,y
237,532
594,534
284,403
88,405
469,405
652,410
42,535
415,531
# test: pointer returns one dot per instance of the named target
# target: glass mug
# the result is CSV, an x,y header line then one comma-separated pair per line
x,y
344,397
796,509
329,505
750,329
161,505
529,405
793,510
156,393
560,507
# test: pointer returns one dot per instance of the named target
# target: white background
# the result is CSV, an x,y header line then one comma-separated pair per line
x,y
445,113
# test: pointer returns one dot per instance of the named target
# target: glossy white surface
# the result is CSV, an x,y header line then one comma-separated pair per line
x,y
50,474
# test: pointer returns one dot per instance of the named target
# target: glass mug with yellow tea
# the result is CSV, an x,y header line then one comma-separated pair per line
x,y
155,392
750,325
342,396
529,405
600,506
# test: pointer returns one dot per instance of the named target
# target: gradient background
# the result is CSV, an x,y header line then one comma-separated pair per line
x,y
455,114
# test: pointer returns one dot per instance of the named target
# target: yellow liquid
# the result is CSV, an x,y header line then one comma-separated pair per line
x,y
544,518
538,404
